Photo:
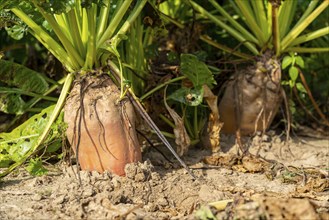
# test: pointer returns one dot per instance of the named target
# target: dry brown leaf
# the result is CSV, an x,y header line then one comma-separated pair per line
x,y
253,164
221,159
290,208
317,184
182,139
212,136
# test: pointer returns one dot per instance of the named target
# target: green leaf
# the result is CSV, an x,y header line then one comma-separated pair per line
x,y
17,31
287,60
5,160
23,138
55,6
188,96
300,61
197,71
204,213
292,106
300,87
284,82
16,75
24,5
8,19
53,147
291,83
293,73
11,103
36,168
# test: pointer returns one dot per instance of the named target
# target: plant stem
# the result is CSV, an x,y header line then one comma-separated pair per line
x,y
132,17
62,23
161,86
91,47
310,36
59,105
230,30
261,17
235,24
276,30
195,123
209,41
309,9
103,18
307,50
73,54
84,29
32,94
293,34
114,23
323,117
167,121
43,37
286,15
150,122
75,32
250,21
43,136
166,134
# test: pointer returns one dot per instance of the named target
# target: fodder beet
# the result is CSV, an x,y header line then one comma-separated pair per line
x,y
252,97
101,128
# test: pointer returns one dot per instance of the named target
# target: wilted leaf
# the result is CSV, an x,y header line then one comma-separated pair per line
x,y
214,127
181,137
197,71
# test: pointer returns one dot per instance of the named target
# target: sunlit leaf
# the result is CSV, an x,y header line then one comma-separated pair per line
x,y
36,168
23,138
197,71
204,213
300,87
287,60
293,73
5,160
300,61
188,96
17,31
291,83
292,106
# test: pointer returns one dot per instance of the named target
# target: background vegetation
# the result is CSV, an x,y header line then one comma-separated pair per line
x,y
166,56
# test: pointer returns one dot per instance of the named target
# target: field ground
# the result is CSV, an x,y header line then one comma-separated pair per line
x,y
291,182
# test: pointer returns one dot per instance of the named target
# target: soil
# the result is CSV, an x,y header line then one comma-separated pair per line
x,y
285,181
